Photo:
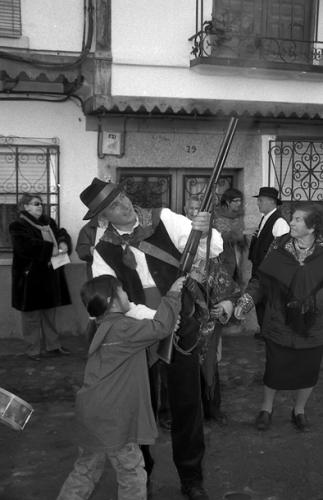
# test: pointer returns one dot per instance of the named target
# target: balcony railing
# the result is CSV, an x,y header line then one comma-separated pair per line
x,y
219,43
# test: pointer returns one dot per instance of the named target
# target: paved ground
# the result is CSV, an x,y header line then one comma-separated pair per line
x,y
240,464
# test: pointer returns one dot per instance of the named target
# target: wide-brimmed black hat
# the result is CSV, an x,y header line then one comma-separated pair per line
x,y
98,195
269,192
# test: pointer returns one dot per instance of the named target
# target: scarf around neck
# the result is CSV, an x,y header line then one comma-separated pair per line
x,y
147,223
299,283
45,229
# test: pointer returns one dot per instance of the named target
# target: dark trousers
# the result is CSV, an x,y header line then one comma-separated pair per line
x,y
158,375
261,306
39,327
184,393
260,312
184,397
211,405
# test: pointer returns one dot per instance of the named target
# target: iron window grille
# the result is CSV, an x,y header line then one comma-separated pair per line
x,y
171,188
296,169
27,167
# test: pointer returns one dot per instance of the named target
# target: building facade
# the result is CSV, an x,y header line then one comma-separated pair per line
x,y
45,50
143,92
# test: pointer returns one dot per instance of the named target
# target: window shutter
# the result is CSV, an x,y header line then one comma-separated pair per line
x,y
10,18
290,19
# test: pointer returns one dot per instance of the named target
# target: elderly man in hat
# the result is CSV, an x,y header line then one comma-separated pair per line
x,y
271,225
142,248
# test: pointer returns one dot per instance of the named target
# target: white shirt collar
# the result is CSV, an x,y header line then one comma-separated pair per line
x,y
265,218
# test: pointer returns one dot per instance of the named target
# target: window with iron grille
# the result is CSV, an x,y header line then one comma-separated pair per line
x,y
296,169
153,187
27,167
10,19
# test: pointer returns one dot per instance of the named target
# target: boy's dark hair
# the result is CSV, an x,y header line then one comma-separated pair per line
x,y
98,294
230,194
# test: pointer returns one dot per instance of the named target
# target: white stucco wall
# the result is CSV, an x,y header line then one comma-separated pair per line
x,y
155,32
53,25
78,166
78,158
151,57
193,84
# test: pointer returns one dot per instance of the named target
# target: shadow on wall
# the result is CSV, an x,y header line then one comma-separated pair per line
x,y
71,320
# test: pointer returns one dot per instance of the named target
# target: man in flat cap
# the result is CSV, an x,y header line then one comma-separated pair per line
x,y
272,225
142,248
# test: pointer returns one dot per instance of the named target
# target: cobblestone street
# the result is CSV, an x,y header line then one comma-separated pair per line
x,y
240,464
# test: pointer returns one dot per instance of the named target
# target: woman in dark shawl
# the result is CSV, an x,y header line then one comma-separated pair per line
x,y
291,278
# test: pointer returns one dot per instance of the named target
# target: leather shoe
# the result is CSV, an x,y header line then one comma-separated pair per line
x,y
300,421
194,492
220,418
61,351
64,352
34,357
263,420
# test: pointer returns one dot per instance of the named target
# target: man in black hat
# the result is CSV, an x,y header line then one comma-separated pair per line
x,y
271,226
142,248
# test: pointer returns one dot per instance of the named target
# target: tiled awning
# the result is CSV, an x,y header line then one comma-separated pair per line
x,y
201,107
22,77
24,83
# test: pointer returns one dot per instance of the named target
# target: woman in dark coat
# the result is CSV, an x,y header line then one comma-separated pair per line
x,y
291,278
37,288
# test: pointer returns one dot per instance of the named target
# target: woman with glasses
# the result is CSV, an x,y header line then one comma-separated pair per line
x,y
37,288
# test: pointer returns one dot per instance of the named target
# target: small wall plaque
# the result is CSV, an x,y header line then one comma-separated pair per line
x,y
113,143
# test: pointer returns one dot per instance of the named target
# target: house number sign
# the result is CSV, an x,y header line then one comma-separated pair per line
x,y
191,149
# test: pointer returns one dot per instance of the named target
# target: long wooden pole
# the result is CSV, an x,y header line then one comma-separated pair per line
x,y
195,236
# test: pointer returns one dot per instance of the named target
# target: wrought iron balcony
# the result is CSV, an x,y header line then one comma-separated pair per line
x,y
217,42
